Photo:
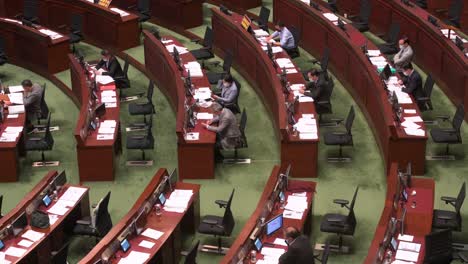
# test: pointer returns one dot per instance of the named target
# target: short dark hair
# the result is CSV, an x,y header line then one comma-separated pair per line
x,y
292,232
280,24
26,83
314,72
105,53
228,78
405,40
408,66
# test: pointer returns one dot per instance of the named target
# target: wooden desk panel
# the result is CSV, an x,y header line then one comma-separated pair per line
x,y
55,235
361,79
195,158
238,5
258,69
167,248
303,224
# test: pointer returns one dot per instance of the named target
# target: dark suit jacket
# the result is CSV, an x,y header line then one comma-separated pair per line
x,y
318,90
413,85
299,252
113,68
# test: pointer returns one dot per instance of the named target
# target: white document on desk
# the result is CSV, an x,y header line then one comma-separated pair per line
x,y
16,98
330,16
105,137
15,251
135,257
106,130
413,118
373,53
16,109
146,244
408,246
16,89
410,124
292,214
192,136
25,243
204,116
104,79
152,233
73,194
407,255
33,235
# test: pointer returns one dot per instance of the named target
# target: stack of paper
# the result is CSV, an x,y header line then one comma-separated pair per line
x,y
403,98
107,128
271,254
285,63
104,79
412,128
152,233
379,61
11,133
15,252
33,235
194,68
307,127
202,93
178,201
204,116
16,89
73,194
15,109
192,136
407,255
373,53
16,98
135,257
261,33
61,207
50,33
12,20
181,50
120,12
166,41
330,16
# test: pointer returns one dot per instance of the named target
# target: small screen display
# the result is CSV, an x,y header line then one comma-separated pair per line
x,y
1,245
281,196
258,244
162,198
274,224
46,200
394,244
125,245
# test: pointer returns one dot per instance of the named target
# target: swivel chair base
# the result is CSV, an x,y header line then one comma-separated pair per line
x,y
139,163
237,161
441,157
42,129
340,158
130,98
214,249
460,247
333,248
39,164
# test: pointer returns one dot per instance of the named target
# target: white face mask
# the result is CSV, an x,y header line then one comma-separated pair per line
x,y
406,73
402,46
226,85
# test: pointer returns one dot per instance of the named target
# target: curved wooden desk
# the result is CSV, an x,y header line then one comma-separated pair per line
x,y
242,246
237,5
195,157
168,247
29,48
435,53
418,221
440,9
96,158
258,69
55,235
101,26
359,76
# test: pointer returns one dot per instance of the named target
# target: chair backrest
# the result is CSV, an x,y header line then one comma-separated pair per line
x,y
455,9
296,35
149,93
126,65
2,45
351,219
76,23
191,257
393,33
326,253
350,120
227,62
143,6
325,59
30,9
365,11
208,38
61,255
428,86
458,118
48,135
264,15
243,124
1,201
44,107
103,219
228,218
460,198
333,5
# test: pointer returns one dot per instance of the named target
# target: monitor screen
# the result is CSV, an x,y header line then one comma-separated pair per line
x,y
2,245
46,200
274,224
282,196
386,73
124,245
162,198
258,244
19,224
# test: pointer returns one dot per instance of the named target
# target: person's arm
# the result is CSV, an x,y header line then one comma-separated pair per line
x,y
410,86
230,97
315,93
31,99
222,124
274,35
405,56
284,41
113,67
100,64
287,257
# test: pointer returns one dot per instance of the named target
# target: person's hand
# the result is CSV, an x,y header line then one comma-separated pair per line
x,y
209,122
400,82
301,91
276,44
214,96
7,103
268,38
205,125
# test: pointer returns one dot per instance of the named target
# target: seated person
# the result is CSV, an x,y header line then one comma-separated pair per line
x,y
299,248
228,89
227,131
285,36
110,64
412,81
404,56
32,98
317,87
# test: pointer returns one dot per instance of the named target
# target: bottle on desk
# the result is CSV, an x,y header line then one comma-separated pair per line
x,y
158,209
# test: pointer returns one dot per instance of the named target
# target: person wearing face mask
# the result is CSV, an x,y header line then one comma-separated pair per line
x,y
404,56
110,64
299,248
228,89
286,39
317,87
412,81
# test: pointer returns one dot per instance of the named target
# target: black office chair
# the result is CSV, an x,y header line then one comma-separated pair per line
x,y
449,136
142,142
443,219
323,62
234,107
191,257
294,52
324,105
42,144
263,18
391,45
44,108
76,30
219,226
1,201
143,108
341,138
206,51
144,12
241,143
333,5
425,103
123,82
325,254
103,221
60,256
341,224
362,22
3,56
422,4
30,11
453,13
214,77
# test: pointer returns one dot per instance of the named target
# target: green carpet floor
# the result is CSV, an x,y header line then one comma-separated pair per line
x,y
334,181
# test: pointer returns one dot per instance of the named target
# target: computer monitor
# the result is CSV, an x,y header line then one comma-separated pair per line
x,y
175,55
269,51
404,195
341,24
225,10
162,198
125,245
282,196
459,43
190,117
46,200
258,244
19,224
315,5
173,179
291,111
1,113
405,177
274,224
188,85
396,106
100,110
2,245
432,20
394,244
60,179
284,82
386,73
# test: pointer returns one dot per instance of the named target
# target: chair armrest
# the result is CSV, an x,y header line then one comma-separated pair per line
x,y
463,257
423,99
196,40
34,139
444,217
209,222
339,133
337,120
335,221
137,137
448,200
83,222
450,130
443,117
221,203
215,63
322,102
341,202
139,125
